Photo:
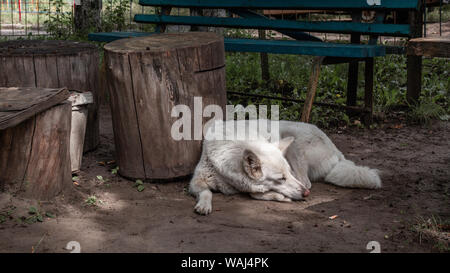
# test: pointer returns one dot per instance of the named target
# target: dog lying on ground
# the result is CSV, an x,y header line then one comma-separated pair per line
x,y
279,171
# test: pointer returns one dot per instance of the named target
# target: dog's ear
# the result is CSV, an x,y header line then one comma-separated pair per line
x,y
284,143
252,165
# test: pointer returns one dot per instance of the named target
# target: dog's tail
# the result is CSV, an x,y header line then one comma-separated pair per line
x,y
346,174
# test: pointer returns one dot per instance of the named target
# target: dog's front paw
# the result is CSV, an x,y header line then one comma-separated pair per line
x,y
203,207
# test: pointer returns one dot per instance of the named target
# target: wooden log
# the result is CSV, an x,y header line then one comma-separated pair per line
x,y
54,64
147,77
429,47
34,155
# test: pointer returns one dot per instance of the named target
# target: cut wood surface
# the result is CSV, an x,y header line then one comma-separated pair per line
x,y
19,104
54,64
429,47
35,156
147,77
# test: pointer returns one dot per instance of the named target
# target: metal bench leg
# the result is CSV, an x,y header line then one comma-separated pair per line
x,y
414,76
312,87
368,92
352,81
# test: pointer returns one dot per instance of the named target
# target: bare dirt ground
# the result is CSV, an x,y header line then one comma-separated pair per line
x,y
415,165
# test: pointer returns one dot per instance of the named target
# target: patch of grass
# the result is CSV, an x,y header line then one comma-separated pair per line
x,y
434,230
426,111
433,14
91,200
115,170
289,75
36,215
139,185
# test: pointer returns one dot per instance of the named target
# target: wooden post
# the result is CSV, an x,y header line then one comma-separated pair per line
x,y
414,63
312,88
368,92
147,77
265,75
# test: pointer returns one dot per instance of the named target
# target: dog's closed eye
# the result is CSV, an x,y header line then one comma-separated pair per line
x,y
281,179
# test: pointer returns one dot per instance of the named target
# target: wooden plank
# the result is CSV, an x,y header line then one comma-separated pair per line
x,y
304,48
265,23
285,4
23,105
312,88
48,170
429,47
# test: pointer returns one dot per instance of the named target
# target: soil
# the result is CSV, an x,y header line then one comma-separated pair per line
x,y
414,161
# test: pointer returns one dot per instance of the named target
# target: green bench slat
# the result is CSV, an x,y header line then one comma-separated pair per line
x,y
286,4
257,23
304,48
272,46
112,36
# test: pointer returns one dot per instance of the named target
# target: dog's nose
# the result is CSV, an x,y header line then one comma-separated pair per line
x,y
306,193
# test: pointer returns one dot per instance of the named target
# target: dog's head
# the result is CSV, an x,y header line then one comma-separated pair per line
x,y
265,163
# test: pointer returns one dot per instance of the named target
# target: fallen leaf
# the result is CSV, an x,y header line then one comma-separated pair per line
x,y
333,217
76,184
102,163
367,197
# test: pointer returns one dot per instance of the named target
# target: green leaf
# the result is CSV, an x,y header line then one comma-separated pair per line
x,y
99,177
140,188
49,215
40,218
75,178
32,210
138,183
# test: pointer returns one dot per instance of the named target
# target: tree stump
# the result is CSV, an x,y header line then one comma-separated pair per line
x,y
35,142
147,77
54,64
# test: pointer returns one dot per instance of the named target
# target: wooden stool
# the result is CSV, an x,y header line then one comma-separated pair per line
x,y
147,77
35,141
54,64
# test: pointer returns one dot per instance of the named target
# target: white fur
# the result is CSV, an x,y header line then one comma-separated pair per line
x,y
309,156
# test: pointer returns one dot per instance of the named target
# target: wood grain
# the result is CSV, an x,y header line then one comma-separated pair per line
x,y
147,77
35,156
19,104
54,64
429,47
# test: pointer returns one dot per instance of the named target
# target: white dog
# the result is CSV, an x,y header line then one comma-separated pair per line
x,y
279,171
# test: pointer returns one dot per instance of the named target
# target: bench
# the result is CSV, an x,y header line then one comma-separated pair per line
x,y
301,41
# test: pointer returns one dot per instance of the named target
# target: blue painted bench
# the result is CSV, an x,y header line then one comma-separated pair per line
x,y
302,42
